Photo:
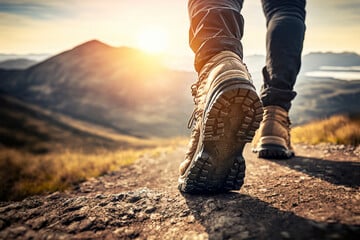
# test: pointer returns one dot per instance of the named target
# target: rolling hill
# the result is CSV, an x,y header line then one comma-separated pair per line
x,y
31,56
320,98
119,88
20,63
33,129
315,60
134,94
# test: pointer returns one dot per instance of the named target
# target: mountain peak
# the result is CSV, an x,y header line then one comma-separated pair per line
x,y
92,44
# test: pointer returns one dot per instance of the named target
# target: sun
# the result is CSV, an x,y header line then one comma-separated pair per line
x,y
153,40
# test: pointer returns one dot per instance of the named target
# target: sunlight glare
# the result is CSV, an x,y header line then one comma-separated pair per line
x,y
153,40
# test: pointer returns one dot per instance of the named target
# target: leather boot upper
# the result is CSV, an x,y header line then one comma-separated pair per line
x,y
223,66
274,128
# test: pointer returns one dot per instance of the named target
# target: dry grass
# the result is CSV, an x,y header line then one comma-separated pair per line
x,y
24,174
42,151
337,129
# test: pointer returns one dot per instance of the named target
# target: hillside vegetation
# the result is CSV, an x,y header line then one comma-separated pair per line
x,y
338,129
42,151
24,174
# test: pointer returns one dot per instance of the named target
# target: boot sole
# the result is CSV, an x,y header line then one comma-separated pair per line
x,y
231,119
273,151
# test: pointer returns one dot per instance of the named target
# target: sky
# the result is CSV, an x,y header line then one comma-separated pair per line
x,y
52,26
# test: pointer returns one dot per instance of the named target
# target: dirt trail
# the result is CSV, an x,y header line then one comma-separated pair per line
x,y
313,196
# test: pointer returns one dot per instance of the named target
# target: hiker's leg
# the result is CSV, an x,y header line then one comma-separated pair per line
x,y
284,43
215,26
227,110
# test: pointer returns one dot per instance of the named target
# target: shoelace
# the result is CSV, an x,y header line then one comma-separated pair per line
x,y
196,98
247,70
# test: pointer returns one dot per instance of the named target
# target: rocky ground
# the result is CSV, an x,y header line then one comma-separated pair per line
x,y
313,196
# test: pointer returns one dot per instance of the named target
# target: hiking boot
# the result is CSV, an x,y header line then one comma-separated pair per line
x,y
226,115
274,135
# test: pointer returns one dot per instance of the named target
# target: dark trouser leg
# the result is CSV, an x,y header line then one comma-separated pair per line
x,y
284,42
215,26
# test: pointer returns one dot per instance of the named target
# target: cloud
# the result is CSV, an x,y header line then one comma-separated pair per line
x,y
55,25
36,9
353,5
352,9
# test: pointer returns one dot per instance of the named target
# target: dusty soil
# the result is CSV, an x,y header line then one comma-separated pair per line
x,y
313,196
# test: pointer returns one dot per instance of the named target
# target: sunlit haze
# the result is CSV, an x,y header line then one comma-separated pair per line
x,y
153,40
36,26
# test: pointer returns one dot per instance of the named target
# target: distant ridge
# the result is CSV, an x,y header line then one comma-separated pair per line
x,y
119,88
315,60
20,63
133,93
47,131
30,56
